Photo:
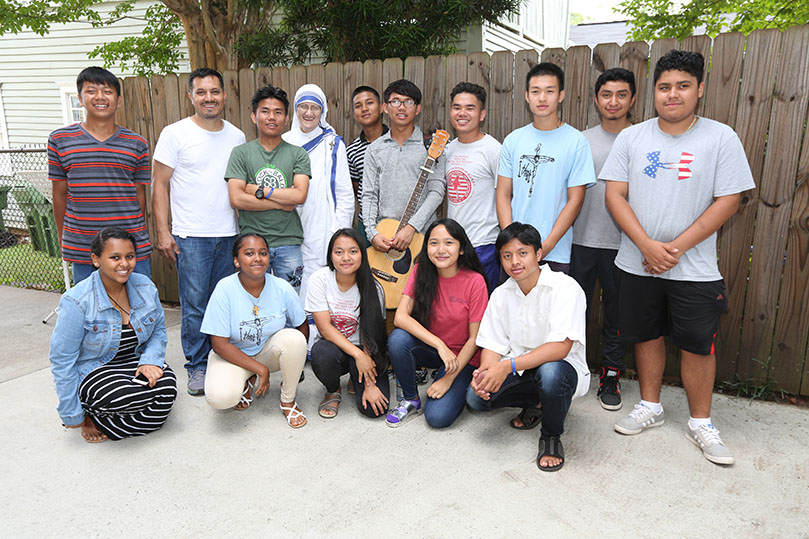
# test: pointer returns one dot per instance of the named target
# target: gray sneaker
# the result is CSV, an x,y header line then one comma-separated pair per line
x,y
706,437
639,419
196,383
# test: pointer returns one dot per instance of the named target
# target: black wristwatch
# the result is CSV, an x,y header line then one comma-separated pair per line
x,y
260,193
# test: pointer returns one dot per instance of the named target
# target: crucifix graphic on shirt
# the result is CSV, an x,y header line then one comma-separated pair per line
x,y
529,164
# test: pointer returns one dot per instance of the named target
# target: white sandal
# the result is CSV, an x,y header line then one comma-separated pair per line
x,y
245,399
294,413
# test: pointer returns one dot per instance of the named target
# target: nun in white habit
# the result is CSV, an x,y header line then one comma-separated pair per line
x,y
329,203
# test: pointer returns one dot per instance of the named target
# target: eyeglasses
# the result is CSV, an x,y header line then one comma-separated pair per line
x,y
395,103
309,108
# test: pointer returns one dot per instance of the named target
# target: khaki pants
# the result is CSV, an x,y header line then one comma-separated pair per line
x,y
284,351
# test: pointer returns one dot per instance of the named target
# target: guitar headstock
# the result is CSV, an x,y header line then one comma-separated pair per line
x,y
440,138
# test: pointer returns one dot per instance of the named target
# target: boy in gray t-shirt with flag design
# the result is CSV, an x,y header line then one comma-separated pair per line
x,y
672,181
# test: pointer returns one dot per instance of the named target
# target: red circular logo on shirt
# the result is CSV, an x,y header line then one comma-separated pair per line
x,y
347,325
459,185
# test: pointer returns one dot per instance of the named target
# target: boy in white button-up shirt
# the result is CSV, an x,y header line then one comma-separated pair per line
x,y
533,340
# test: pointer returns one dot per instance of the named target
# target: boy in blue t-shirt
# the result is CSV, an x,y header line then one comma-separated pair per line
x,y
545,168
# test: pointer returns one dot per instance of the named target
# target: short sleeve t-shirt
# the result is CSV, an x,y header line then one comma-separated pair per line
x,y
344,307
542,166
255,165
460,301
199,198
101,181
246,321
552,311
471,181
672,181
594,227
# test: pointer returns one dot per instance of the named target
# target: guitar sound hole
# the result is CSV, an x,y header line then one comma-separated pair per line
x,y
394,255
402,265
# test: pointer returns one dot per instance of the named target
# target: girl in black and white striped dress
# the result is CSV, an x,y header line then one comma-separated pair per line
x,y
108,348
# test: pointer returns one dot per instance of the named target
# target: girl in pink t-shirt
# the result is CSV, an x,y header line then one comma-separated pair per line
x,y
437,323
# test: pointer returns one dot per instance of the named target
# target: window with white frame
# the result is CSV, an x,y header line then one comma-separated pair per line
x,y
72,111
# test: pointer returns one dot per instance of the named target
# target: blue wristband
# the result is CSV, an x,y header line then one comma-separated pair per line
x,y
270,193
513,367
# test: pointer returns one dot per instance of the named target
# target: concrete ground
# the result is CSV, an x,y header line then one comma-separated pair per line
x,y
235,474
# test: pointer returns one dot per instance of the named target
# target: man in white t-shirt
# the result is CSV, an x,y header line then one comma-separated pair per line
x,y
191,155
596,237
472,161
532,338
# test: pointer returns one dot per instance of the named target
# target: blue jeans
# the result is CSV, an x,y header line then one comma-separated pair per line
x,y
406,352
552,384
490,260
82,271
286,263
201,263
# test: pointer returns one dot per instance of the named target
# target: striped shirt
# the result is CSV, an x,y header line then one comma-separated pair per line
x,y
356,162
101,179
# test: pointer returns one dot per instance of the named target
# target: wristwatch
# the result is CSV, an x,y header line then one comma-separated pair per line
x,y
260,193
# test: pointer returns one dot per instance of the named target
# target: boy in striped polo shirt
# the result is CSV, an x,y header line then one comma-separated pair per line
x,y
99,173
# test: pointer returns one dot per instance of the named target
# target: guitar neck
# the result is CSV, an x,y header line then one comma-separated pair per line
x,y
412,204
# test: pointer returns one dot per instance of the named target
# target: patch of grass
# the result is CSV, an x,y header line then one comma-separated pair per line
x,y
24,267
755,389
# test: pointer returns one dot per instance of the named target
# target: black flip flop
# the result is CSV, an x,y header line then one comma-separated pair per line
x,y
550,446
530,418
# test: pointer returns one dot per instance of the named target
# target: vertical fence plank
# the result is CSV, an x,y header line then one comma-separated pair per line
x,y
456,72
556,56
775,206
479,72
659,48
414,72
335,98
722,94
523,62
605,56
392,70
788,351
433,106
247,87
315,74
752,117
577,86
174,96
298,76
635,58
501,95
232,100
352,71
186,107
120,114
372,75
263,77
702,45
280,79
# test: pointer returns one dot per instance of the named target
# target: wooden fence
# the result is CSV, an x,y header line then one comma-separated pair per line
x,y
758,84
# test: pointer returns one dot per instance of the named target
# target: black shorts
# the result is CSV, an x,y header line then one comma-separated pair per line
x,y
687,311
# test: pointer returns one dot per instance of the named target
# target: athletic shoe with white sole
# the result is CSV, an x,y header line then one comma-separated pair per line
x,y
639,419
706,437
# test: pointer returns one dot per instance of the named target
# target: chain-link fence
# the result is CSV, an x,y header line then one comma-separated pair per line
x,y
29,244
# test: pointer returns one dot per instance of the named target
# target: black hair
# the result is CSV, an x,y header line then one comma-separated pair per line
x,y
110,233
524,233
426,284
237,244
372,319
616,74
201,73
98,75
546,68
270,92
469,88
692,63
403,87
361,89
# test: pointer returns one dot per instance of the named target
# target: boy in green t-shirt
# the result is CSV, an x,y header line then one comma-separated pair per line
x,y
267,178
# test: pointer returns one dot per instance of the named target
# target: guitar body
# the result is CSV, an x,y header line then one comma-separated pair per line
x,y
393,268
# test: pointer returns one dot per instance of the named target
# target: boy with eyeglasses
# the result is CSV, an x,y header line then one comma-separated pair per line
x,y
392,167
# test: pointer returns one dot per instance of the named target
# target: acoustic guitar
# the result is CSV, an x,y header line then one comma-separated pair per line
x,y
392,268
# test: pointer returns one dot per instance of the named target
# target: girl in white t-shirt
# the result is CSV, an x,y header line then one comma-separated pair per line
x,y
348,307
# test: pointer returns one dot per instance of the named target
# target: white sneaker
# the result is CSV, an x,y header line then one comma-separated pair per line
x,y
639,419
706,437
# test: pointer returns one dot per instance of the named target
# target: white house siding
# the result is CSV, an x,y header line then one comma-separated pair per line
x,y
32,69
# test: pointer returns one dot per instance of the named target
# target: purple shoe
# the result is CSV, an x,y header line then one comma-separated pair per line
x,y
406,411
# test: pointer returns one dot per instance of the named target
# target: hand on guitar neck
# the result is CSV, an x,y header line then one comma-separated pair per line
x,y
401,240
